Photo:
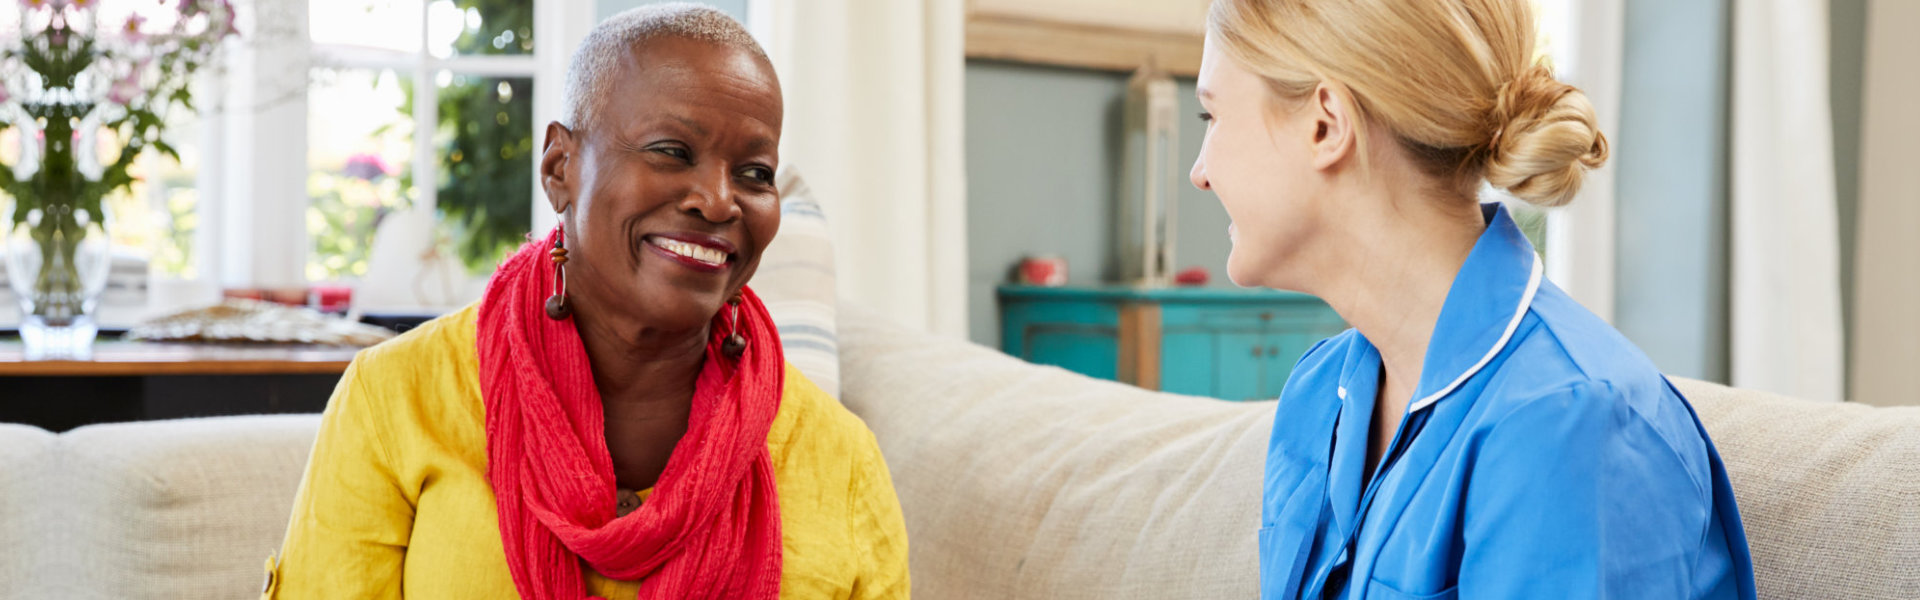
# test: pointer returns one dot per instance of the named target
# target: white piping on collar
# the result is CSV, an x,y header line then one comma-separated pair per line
x,y
1526,302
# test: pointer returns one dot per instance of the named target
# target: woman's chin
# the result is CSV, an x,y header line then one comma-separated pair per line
x,y
1240,274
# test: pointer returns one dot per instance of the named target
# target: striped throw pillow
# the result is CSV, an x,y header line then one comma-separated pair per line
x,y
796,281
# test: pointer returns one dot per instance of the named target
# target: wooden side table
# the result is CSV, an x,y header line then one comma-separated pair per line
x,y
1223,343
134,381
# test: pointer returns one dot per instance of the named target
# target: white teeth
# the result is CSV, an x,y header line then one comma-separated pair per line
x,y
693,251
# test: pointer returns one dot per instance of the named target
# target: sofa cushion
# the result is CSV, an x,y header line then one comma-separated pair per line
x,y
1829,493
27,512
1019,481
796,281
181,509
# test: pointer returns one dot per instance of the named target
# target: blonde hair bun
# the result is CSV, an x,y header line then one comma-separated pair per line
x,y
1544,139
1455,82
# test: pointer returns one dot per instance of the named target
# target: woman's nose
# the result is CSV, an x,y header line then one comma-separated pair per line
x,y
1199,175
712,199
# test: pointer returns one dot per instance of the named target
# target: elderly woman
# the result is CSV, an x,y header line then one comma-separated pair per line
x,y
614,418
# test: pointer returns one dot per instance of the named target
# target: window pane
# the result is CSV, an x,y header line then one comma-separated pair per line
x,y
359,147
479,27
486,153
157,217
381,24
1557,35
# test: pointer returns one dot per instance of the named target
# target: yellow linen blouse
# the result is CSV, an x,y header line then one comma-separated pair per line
x,y
395,501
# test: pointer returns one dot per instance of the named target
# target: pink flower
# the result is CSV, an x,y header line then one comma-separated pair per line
x,y
366,166
227,17
125,89
132,28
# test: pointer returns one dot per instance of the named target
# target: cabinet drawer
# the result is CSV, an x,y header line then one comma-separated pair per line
x,y
1087,350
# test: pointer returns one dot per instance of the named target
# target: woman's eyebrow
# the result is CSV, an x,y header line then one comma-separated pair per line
x,y
697,128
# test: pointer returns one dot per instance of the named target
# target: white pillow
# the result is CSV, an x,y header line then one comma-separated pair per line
x,y
796,282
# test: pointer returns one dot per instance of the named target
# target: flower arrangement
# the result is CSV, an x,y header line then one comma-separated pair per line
x,y
87,95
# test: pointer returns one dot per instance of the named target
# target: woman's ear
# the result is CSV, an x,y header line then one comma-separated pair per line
x,y
558,169
1336,132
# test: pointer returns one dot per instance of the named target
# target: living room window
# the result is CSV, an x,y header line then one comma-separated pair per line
x,y
421,104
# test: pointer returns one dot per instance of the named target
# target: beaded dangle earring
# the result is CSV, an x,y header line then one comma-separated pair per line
x,y
735,344
557,308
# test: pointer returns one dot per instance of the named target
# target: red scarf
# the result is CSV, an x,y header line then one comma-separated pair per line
x,y
711,529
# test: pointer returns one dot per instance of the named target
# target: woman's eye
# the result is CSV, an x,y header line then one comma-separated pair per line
x,y
760,174
673,151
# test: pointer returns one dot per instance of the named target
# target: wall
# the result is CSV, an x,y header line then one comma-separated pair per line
x,y
1887,345
1043,172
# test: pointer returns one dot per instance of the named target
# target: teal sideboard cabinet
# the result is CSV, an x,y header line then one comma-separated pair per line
x,y
1223,343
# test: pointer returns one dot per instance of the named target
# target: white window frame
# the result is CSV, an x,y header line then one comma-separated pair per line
x,y
252,182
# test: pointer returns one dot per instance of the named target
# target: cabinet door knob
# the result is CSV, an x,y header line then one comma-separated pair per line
x,y
1266,316
1256,350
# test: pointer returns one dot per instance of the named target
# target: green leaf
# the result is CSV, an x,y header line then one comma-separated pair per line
x,y
166,149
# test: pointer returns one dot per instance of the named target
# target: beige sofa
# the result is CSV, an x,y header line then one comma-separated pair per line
x,y
1017,482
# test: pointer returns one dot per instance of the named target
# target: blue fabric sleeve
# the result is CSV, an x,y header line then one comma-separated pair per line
x,y
1573,495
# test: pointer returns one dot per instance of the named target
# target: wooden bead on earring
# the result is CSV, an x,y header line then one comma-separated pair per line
x,y
735,344
557,308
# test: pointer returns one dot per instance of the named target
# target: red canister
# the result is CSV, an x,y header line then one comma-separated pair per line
x,y
1047,270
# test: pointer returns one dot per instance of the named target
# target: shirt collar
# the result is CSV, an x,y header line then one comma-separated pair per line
x,y
1488,299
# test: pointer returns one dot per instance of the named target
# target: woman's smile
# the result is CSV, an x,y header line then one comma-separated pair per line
x,y
701,253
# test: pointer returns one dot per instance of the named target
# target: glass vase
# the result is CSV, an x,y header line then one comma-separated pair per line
x,y
58,259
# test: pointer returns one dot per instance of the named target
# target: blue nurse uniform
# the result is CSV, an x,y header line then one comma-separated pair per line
x,y
1542,456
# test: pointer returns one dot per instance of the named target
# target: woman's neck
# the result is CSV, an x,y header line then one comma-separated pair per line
x,y
1389,275
638,364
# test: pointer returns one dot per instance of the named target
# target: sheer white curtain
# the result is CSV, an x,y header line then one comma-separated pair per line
x,y
1585,39
1886,345
874,94
1785,260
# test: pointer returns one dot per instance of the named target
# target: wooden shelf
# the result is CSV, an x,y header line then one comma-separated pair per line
x,y
1029,39
132,359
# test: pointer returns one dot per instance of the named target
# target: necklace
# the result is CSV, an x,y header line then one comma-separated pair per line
x,y
625,501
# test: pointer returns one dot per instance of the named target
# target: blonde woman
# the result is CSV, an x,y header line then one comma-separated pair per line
x,y
1477,434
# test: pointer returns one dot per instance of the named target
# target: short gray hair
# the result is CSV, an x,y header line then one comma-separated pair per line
x,y
597,59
